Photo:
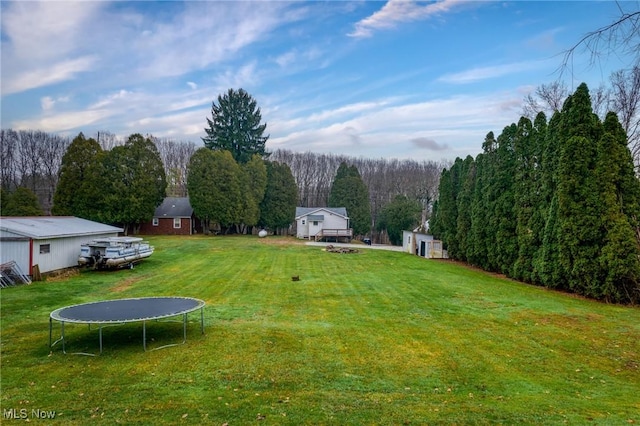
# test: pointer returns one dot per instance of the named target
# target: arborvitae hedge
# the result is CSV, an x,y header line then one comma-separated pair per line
x,y
555,204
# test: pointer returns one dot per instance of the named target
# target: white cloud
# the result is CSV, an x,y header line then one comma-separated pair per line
x,y
192,85
206,33
44,76
62,122
47,103
46,42
46,29
485,73
242,77
438,125
395,12
115,98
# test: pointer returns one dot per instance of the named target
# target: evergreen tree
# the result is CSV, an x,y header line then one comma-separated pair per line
x,y
505,250
235,126
200,186
619,257
5,196
79,191
400,214
579,217
278,207
255,183
547,262
524,190
478,239
134,182
531,246
349,191
444,222
227,182
464,208
23,202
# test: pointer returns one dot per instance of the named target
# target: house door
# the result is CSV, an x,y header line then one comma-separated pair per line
x,y
423,248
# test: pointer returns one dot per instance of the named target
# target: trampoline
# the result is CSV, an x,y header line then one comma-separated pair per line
x,y
120,311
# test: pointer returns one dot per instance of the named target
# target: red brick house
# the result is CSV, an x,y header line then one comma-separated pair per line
x,y
173,217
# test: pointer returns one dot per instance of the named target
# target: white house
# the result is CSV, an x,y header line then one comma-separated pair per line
x,y
328,223
51,242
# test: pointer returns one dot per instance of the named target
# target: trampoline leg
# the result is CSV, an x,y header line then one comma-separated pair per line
x,y
62,337
50,330
184,328
202,320
144,335
100,334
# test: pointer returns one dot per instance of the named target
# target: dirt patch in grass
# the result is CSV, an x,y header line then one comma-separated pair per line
x,y
281,241
62,275
125,285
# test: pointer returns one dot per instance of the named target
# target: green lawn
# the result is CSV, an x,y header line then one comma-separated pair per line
x,y
375,337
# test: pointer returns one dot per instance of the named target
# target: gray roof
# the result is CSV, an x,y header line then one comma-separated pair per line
x,y
40,227
304,211
174,207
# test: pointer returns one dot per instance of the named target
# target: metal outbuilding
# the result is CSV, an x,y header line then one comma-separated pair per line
x,y
51,242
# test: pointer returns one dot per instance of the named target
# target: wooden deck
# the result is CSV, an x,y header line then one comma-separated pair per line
x,y
334,235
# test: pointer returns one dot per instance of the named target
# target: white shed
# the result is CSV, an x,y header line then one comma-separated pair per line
x,y
422,245
51,242
322,223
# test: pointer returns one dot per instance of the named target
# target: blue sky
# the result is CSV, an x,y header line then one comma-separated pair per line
x,y
396,79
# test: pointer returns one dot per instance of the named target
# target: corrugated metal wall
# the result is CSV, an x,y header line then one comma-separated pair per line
x,y
16,250
63,252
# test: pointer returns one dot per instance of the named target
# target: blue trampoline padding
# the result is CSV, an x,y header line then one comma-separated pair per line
x,y
127,310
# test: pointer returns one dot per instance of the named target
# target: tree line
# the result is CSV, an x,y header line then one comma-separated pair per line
x,y
31,159
551,203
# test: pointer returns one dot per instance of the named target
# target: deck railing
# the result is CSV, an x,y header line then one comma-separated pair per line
x,y
334,233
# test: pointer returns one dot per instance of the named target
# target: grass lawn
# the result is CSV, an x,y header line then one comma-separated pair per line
x,y
375,337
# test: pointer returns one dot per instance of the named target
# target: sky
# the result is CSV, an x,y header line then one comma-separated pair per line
x,y
396,79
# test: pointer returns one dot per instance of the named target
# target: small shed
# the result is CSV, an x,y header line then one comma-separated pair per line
x,y
422,245
51,242
323,223
173,217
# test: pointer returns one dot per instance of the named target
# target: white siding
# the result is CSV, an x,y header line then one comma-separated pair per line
x,y
302,231
17,251
331,221
63,252
334,221
409,245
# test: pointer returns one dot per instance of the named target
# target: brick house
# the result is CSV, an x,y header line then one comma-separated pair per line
x,y
173,217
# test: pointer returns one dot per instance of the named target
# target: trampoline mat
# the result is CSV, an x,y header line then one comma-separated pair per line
x,y
127,310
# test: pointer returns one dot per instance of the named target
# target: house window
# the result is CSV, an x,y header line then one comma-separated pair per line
x,y
45,248
176,222
156,221
315,223
304,221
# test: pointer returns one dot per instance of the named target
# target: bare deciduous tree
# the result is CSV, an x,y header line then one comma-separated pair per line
x,y
625,101
620,38
548,98
175,157
108,140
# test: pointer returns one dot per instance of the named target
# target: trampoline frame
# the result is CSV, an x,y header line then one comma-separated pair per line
x,y
55,315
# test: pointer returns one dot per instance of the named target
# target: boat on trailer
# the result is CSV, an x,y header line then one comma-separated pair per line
x,y
114,252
